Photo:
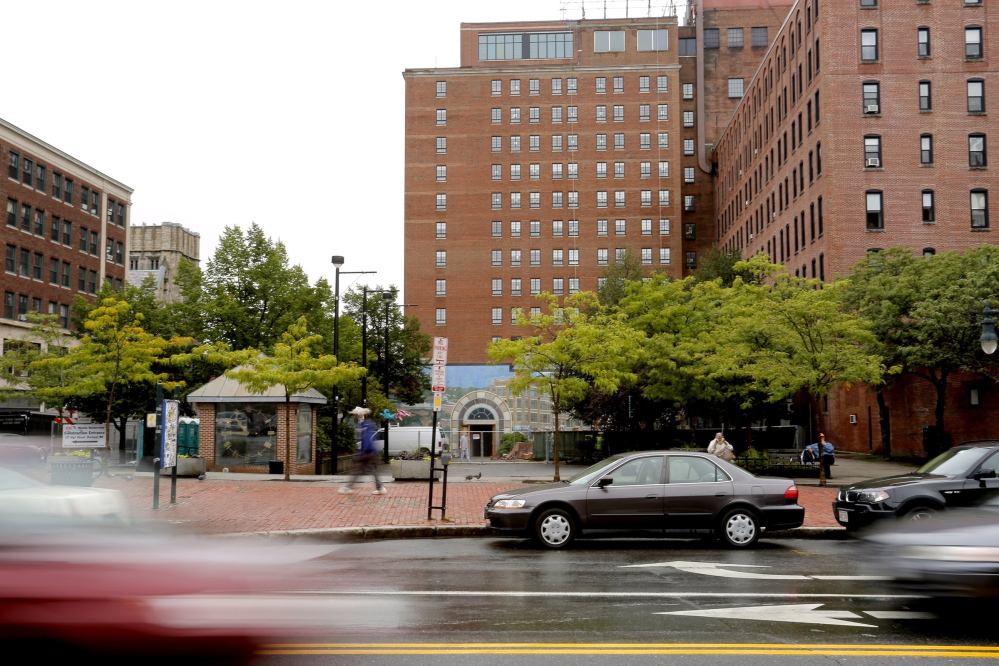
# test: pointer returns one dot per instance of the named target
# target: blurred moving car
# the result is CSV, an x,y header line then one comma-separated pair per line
x,y
81,590
957,477
24,497
18,449
660,492
957,557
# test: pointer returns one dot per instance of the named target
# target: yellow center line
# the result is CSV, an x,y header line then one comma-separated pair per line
x,y
843,646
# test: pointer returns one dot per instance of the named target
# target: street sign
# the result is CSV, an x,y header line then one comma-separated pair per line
x,y
438,399
440,351
438,376
84,436
171,428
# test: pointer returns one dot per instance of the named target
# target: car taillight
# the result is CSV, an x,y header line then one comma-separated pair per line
x,y
791,493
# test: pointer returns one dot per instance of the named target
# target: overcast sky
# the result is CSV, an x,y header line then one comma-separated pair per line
x,y
220,113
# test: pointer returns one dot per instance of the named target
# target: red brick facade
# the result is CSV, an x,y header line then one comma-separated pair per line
x,y
207,443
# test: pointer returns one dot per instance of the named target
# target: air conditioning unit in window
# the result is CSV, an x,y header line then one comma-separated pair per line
x,y
774,216
853,419
871,108
22,317
750,237
873,162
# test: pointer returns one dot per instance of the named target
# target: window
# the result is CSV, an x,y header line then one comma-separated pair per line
x,y
441,174
441,316
619,169
926,149
557,257
976,150
535,114
572,86
601,142
620,253
688,174
26,221
441,202
734,38
535,227
441,145
619,113
646,198
515,200
605,41
10,262
556,143
601,227
515,286
691,259
557,199
572,114
875,210
689,203
497,257
514,86
643,113
687,46
39,223
976,95
620,227
81,281
574,285
515,115
497,287
442,116
643,84
929,210
557,226
645,169
872,150
514,172
618,84
514,144
868,3
923,42
442,230
67,191
13,165
646,255
573,199
758,37
601,85
735,88
663,227
872,97
664,255
688,91
534,143
497,144
496,116
556,86
979,209
925,100
663,169
663,197
442,88
27,172
869,44
441,258
688,118
619,141
688,146
711,38
662,112
515,258
535,257
645,141
602,256
973,43
442,287
619,198
573,170
653,40
535,286
67,270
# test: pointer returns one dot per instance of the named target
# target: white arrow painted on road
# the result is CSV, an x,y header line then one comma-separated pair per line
x,y
711,569
800,613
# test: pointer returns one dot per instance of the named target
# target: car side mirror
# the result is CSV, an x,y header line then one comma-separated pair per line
x,y
985,474
605,481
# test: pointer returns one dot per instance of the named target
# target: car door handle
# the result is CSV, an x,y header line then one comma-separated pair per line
x,y
720,494
652,497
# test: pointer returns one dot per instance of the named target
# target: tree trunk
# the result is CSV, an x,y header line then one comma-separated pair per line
x,y
287,436
884,420
558,442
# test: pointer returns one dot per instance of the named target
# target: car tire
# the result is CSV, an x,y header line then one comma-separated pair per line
x,y
739,528
919,514
555,528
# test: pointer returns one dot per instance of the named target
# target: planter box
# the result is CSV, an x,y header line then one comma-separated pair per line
x,y
412,469
191,466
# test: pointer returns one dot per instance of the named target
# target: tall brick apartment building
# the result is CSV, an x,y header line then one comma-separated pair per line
x,y
866,128
66,230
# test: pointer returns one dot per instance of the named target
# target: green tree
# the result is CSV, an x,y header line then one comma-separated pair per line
x,y
617,277
21,376
293,365
719,264
569,349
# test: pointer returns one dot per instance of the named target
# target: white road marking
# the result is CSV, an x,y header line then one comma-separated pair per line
x,y
599,595
798,613
711,569
901,615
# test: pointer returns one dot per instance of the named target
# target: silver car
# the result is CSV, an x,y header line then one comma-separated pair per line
x,y
659,492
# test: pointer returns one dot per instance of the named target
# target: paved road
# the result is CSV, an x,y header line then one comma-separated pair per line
x,y
472,601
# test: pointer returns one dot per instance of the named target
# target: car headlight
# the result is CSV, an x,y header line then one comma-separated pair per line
x,y
952,553
872,496
509,504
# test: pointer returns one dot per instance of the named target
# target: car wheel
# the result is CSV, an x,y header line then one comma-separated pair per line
x,y
920,514
739,529
554,528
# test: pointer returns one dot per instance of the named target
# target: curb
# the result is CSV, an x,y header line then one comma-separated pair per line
x,y
434,531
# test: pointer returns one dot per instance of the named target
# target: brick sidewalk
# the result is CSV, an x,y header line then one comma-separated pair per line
x,y
224,507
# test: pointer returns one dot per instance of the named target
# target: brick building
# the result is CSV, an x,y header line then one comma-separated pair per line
x,y
66,231
156,250
865,128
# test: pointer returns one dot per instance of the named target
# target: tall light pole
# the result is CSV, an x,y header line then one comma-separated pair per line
x,y
337,263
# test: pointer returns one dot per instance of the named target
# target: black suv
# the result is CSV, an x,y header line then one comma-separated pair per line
x,y
955,478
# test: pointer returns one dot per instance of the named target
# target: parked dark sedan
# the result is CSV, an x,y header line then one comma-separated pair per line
x,y
957,557
22,450
958,477
663,492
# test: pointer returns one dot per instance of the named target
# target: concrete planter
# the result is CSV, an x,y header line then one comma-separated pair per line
x,y
191,466
412,469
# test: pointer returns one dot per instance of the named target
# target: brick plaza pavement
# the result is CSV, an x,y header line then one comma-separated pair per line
x,y
238,506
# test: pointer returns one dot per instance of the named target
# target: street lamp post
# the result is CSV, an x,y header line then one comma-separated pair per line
x,y
337,263
989,338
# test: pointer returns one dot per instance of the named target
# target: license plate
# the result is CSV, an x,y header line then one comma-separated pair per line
x,y
844,516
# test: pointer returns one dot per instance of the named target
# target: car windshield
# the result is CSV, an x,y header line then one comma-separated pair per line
x,y
13,481
593,472
955,461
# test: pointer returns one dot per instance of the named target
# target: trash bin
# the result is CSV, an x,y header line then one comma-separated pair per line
x,y
275,467
76,472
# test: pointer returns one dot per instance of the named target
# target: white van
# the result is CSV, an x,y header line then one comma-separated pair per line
x,y
409,438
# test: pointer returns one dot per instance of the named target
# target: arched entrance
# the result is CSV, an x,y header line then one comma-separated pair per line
x,y
483,416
